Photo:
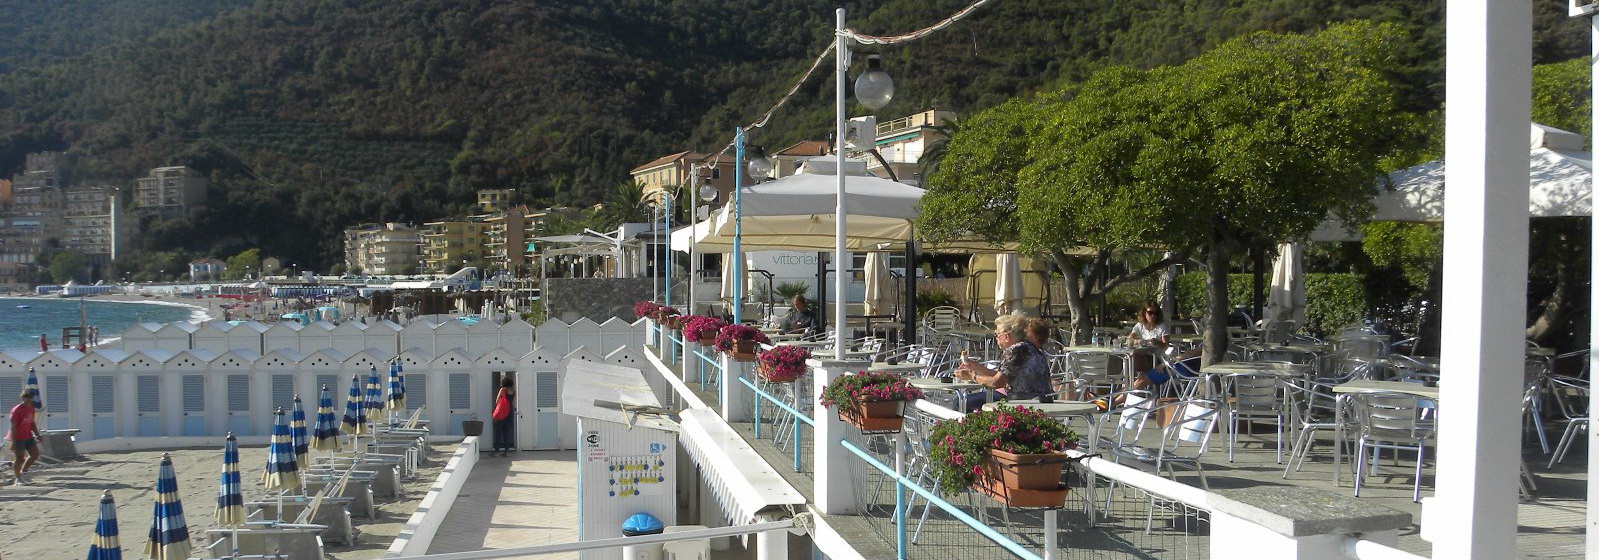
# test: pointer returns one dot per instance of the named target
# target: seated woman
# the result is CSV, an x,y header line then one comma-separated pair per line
x,y
1023,371
1149,331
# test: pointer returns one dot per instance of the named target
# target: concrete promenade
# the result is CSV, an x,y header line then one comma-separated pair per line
x,y
527,499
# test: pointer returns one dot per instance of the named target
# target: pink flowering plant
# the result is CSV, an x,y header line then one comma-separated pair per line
x,y
665,311
645,308
696,327
865,387
960,447
727,338
784,363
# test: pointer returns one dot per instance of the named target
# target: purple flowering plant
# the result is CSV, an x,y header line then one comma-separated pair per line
x,y
960,447
645,308
863,387
784,363
727,338
696,327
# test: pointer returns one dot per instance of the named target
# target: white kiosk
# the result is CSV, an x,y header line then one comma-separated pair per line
x,y
627,451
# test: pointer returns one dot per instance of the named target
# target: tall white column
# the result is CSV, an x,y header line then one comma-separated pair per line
x,y
840,256
1488,100
831,461
1593,435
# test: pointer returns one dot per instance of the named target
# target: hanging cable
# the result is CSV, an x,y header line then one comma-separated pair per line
x,y
859,38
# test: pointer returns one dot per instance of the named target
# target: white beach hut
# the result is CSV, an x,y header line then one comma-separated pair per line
x,y
317,336
228,393
449,334
272,386
189,412
212,335
246,336
542,426
140,337
555,336
516,337
466,394
282,335
482,337
176,336
137,375
615,333
384,335
417,336
329,367
349,337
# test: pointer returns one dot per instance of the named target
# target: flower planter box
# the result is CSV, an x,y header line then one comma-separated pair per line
x,y
744,351
708,340
770,376
1031,480
875,417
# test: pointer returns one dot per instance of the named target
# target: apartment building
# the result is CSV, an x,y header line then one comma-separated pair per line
x,y
170,192
902,141
494,200
448,245
672,172
383,249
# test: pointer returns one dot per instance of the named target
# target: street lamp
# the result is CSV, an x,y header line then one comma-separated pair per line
x,y
760,165
874,89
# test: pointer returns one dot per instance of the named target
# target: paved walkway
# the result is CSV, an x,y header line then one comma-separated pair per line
x,y
527,499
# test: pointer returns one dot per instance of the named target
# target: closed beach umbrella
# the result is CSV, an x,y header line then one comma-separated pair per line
x,y
38,398
169,535
230,494
297,433
282,473
106,545
374,394
354,410
1007,283
1286,300
326,436
396,390
879,284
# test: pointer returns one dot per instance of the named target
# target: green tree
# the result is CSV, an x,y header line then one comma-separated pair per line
x,y
1562,96
1253,142
623,203
69,265
246,261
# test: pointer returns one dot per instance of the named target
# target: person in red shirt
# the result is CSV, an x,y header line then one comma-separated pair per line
x,y
44,343
24,436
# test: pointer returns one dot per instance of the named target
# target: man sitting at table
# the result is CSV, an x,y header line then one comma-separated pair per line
x,y
1023,371
800,320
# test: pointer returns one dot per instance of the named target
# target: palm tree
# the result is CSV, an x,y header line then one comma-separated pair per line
x,y
623,204
934,154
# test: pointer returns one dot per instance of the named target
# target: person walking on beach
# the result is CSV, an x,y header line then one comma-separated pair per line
x,y
44,343
24,437
503,412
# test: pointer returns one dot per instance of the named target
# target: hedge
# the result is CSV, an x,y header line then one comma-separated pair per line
x,y
1332,301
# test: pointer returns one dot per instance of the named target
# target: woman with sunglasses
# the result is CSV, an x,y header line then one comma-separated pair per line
x,y
1149,331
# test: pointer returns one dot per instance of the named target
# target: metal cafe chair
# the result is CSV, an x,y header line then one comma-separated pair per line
x,y
1253,397
1571,402
1395,421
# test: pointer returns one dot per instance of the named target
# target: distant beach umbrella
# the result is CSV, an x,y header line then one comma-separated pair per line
x,y
230,495
355,409
374,394
169,535
396,390
38,397
282,473
106,545
326,436
297,431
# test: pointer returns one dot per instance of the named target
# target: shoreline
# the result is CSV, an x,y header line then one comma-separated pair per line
x,y
210,310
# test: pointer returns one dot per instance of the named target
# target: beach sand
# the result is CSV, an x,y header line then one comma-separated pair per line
x,y
54,515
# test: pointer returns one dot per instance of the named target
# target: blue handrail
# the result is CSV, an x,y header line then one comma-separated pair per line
x,y
708,360
901,484
799,418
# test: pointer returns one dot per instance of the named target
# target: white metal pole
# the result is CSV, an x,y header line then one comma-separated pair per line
x,y
1488,77
737,260
840,257
694,222
1593,361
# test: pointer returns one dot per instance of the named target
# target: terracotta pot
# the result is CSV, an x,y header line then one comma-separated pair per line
x,y
1015,497
744,350
708,340
1039,471
766,373
875,417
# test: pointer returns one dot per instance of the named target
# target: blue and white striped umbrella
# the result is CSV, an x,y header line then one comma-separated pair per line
x,y
374,394
297,433
282,473
355,409
326,436
230,495
396,390
106,546
169,535
38,398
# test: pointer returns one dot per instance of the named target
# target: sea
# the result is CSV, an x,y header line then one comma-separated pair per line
x,y
20,326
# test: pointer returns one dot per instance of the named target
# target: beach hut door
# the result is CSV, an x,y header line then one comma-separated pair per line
x,y
539,425
194,405
103,395
149,402
239,405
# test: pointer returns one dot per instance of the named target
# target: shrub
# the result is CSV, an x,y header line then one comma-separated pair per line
x,y
1332,301
928,299
960,447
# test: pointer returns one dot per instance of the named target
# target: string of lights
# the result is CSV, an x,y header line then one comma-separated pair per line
x,y
859,38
